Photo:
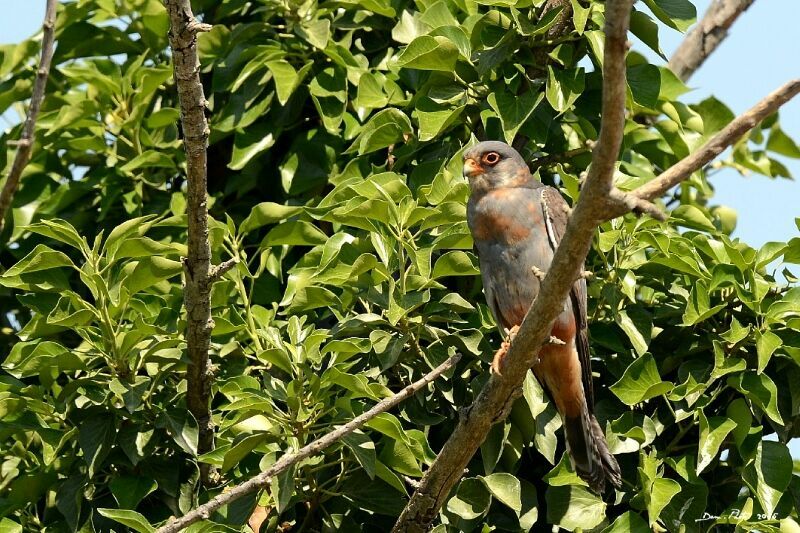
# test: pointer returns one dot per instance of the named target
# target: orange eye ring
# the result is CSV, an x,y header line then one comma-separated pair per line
x,y
491,158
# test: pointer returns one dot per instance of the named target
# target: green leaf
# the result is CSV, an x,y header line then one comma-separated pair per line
x,y
182,427
780,143
766,344
454,263
267,213
564,87
9,526
678,14
660,493
713,432
429,53
506,488
166,116
130,490
637,328
317,32
628,522
761,390
287,79
769,474
364,450
640,382
646,29
434,118
132,519
385,128
572,507
148,159
41,258
96,436
691,217
645,83
248,144
294,233
32,358
513,110
471,499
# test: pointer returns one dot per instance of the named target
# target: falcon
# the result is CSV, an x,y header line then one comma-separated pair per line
x,y
517,224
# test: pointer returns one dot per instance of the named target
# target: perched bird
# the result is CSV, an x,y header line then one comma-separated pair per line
x,y
517,223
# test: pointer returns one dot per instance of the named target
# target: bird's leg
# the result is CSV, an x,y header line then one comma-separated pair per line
x,y
500,354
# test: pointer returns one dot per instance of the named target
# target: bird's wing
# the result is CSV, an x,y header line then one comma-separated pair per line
x,y
556,215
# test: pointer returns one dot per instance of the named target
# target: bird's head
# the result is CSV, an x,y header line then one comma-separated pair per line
x,y
495,165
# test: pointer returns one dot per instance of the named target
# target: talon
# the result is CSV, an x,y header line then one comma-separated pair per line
x,y
500,354
555,340
538,272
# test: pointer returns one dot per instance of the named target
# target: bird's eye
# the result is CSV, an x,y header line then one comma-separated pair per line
x,y
491,158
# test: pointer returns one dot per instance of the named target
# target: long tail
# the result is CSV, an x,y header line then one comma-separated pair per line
x,y
588,449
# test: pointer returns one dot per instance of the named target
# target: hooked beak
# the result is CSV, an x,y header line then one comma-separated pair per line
x,y
472,168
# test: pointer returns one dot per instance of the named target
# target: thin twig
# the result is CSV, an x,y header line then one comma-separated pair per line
x,y
706,36
197,266
217,271
25,143
261,480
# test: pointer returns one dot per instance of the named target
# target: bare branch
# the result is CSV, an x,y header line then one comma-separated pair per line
x,y
261,480
630,202
183,41
435,486
217,271
718,143
706,36
25,143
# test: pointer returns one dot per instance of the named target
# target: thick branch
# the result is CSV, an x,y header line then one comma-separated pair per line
x,y
706,36
718,143
534,331
183,40
261,480
25,144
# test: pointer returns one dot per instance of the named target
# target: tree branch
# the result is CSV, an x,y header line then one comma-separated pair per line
x,y
706,36
717,144
261,480
25,143
197,266
534,331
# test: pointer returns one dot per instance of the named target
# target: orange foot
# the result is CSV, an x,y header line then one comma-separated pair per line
x,y
500,354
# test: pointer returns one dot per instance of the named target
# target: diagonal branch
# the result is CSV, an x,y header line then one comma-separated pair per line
x,y
706,36
261,480
719,142
25,143
445,472
197,266
599,201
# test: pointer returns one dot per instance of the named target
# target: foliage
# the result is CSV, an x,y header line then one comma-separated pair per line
x,y
335,177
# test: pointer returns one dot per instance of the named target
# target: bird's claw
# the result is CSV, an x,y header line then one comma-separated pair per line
x,y
500,354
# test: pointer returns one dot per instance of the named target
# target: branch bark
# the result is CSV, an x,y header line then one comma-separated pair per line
x,y
718,143
197,266
706,36
25,143
261,480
